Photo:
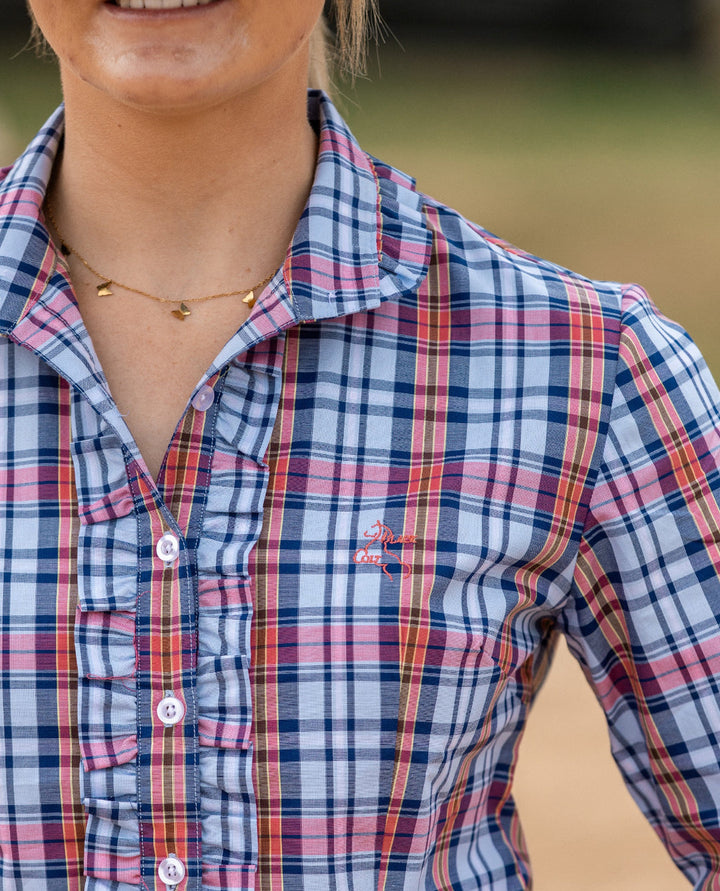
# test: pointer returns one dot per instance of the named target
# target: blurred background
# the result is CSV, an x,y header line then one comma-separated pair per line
x,y
587,133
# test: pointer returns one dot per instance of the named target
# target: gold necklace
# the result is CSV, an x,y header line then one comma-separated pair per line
x,y
104,289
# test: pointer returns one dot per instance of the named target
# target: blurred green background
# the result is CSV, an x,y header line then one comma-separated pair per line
x,y
602,160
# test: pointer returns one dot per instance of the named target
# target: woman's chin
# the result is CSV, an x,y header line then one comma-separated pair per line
x,y
178,57
152,79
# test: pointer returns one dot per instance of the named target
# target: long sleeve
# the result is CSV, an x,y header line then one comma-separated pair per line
x,y
643,618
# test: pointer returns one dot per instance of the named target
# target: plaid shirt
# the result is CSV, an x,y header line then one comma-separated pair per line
x,y
424,456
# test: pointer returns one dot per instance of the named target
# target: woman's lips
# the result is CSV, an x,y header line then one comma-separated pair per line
x,y
153,5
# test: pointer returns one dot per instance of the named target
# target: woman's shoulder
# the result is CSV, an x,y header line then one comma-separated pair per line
x,y
481,267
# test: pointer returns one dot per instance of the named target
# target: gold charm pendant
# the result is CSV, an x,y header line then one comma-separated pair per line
x,y
182,313
106,286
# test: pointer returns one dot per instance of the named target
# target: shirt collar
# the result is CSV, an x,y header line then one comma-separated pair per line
x,y
361,239
27,258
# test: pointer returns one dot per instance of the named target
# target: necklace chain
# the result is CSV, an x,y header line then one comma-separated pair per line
x,y
104,289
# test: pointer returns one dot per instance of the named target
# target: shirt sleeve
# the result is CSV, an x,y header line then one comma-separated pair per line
x,y
643,617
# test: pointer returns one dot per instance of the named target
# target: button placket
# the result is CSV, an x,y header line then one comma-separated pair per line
x,y
165,701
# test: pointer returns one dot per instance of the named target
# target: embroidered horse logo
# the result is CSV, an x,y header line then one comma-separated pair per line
x,y
382,535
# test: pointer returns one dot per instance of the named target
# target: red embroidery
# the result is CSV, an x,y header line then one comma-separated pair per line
x,y
384,536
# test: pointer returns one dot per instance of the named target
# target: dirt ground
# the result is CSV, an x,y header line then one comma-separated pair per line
x,y
583,830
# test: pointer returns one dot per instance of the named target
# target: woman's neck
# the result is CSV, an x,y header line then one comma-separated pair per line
x,y
196,202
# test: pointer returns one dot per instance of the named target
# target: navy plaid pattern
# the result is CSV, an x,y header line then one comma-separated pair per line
x,y
428,454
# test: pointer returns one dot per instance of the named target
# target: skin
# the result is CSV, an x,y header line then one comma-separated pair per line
x,y
187,162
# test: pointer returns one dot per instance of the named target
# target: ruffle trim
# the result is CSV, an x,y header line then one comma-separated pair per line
x,y
405,240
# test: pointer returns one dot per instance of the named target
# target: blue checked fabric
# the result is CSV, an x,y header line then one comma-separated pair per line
x,y
427,455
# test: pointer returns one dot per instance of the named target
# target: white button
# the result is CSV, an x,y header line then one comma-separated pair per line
x,y
171,871
168,548
170,710
204,398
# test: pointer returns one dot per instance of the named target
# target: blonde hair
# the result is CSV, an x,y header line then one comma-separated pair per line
x,y
352,19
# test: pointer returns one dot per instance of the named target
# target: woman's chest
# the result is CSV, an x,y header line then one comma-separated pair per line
x,y
153,360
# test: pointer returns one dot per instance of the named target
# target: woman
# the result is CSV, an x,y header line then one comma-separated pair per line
x,y
295,648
